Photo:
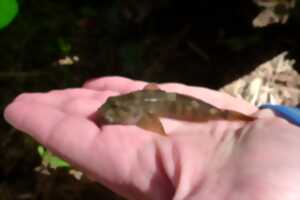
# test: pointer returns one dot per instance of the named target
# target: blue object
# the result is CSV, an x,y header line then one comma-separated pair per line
x,y
291,114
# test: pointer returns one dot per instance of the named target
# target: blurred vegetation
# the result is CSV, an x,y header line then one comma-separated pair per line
x,y
54,44
8,10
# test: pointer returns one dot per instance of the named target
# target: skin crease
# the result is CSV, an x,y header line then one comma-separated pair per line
x,y
217,160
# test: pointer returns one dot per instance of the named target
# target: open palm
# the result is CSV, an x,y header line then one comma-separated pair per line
x,y
216,160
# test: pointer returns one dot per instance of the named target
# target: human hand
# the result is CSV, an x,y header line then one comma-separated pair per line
x,y
213,160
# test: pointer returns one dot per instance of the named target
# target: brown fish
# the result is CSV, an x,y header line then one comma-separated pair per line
x,y
143,108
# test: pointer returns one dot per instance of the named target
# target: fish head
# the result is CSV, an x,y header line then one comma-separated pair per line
x,y
119,111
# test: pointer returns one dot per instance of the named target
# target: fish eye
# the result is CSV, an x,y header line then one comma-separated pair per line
x,y
114,104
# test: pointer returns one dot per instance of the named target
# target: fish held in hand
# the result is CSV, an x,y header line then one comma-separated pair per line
x,y
143,108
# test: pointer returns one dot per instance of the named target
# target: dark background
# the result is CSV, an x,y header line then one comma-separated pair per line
x,y
207,43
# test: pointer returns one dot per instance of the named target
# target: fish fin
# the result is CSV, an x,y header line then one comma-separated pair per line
x,y
151,86
151,123
234,115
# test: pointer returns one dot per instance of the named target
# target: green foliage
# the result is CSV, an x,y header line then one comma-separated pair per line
x,y
8,10
51,160
64,46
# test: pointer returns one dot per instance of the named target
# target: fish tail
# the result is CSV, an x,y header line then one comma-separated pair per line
x,y
234,115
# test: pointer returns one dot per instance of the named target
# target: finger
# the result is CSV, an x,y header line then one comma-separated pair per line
x,y
110,155
265,113
69,136
115,83
33,118
82,107
79,102
56,97
85,106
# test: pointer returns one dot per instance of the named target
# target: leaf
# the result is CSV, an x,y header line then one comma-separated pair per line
x,y
50,159
8,11
41,150
64,46
56,162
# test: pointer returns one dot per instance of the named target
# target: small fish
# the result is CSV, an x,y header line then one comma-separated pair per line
x,y
143,108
